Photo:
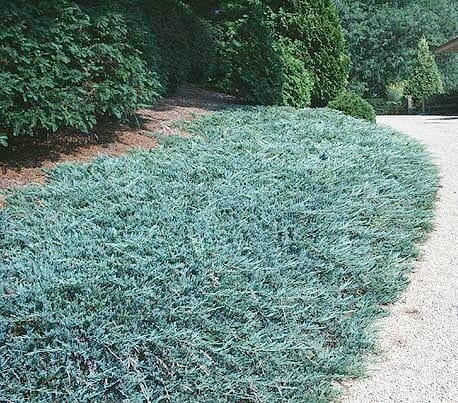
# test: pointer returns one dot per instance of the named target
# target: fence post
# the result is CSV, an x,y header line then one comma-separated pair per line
x,y
410,104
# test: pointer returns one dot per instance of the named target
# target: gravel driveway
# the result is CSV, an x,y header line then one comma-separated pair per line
x,y
419,339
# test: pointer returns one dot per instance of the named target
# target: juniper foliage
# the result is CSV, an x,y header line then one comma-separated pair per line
x,y
244,264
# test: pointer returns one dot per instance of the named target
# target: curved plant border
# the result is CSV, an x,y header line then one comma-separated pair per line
x,y
246,263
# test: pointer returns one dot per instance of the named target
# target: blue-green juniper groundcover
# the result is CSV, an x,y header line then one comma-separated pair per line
x,y
246,263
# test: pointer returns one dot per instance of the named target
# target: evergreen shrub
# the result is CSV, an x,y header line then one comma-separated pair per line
x,y
298,82
354,105
315,27
248,65
276,52
61,68
184,41
425,80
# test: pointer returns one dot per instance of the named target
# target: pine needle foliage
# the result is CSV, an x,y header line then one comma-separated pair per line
x,y
244,264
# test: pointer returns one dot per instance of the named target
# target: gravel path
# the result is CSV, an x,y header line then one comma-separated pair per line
x,y
419,339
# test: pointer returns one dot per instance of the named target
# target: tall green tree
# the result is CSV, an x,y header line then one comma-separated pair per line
x,y
314,27
426,80
306,35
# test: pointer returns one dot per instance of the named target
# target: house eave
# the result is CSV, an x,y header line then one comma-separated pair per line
x,y
449,47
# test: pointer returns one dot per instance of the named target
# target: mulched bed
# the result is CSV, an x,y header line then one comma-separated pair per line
x,y
28,159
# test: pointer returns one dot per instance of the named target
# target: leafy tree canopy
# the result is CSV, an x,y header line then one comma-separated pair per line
x,y
382,36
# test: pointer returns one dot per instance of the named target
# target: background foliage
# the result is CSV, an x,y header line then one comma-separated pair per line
x,y
299,82
314,29
425,80
71,64
185,44
247,62
303,36
383,35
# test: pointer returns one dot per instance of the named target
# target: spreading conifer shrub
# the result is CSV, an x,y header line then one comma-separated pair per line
x,y
63,69
244,264
354,105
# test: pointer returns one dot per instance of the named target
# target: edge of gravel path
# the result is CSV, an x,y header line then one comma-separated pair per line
x,y
419,338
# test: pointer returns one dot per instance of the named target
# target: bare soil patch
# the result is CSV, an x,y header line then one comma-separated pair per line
x,y
27,159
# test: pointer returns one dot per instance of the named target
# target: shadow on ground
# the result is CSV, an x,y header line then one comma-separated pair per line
x,y
25,160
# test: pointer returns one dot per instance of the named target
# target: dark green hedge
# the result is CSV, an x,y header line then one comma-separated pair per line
x,y
67,65
70,64
63,69
247,63
315,28
184,41
299,81
280,52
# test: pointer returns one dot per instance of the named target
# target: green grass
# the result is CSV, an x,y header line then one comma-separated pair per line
x,y
246,264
